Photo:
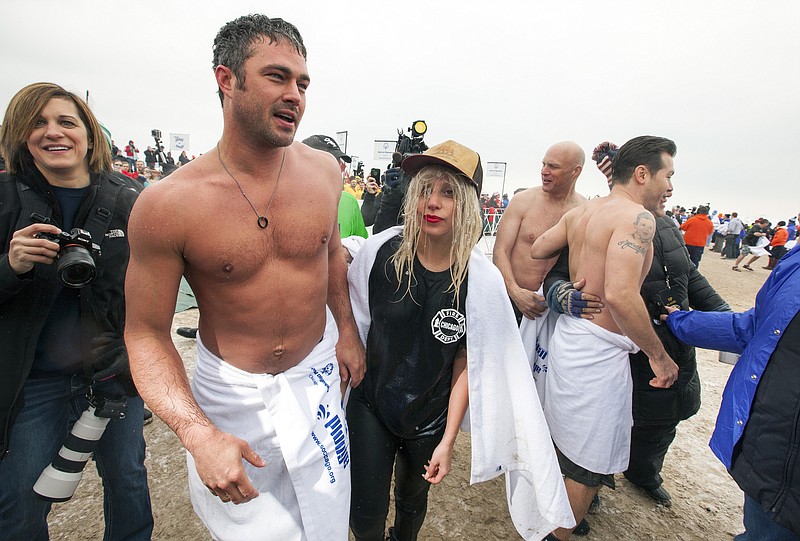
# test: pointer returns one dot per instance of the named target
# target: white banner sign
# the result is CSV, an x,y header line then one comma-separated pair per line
x,y
384,150
341,140
495,169
179,141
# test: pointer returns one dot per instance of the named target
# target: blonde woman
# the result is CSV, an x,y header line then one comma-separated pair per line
x,y
409,290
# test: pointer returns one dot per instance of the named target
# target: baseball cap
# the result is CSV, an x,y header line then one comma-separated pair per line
x,y
450,154
323,142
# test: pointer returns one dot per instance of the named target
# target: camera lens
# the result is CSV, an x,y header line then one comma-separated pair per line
x,y
75,266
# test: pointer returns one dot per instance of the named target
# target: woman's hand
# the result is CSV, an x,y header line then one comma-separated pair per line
x,y
440,463
27,248
669,310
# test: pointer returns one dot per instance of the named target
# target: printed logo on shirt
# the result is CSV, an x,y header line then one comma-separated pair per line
x,y
115,233
448,325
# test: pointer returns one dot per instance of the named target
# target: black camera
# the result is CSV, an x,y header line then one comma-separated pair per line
x,y
76,254
160,156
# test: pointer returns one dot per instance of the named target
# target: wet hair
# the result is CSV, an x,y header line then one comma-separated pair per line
x,y
467,225
234,42
643,150
22,114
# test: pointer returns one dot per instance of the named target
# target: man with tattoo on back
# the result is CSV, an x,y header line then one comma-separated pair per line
x,y
589,387
262,422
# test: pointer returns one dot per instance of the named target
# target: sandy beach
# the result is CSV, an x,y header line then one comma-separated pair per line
x,y
707,504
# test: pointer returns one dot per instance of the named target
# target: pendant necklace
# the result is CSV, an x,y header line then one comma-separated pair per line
x,y
262,222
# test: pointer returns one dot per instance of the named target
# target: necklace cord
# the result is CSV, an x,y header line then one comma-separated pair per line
x,y
262,221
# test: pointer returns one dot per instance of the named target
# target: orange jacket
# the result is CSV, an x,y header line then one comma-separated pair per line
x,y
780,237
697,229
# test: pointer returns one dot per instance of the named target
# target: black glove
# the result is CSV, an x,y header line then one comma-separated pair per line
x,y
392,177
109,356
562,297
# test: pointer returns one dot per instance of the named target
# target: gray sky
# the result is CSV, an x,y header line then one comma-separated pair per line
x,y
508,79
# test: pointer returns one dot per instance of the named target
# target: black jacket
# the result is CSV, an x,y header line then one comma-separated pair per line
x,y
688,288
25,300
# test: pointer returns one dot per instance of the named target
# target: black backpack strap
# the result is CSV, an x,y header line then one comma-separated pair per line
x,y
99,220
31,202
97,223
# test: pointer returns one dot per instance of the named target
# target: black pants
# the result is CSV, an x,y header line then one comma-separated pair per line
x,y
374,451
649,445
695,254
731,250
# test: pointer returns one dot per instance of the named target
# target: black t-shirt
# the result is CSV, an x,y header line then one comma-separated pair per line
x,y
411,345
750,239
58,350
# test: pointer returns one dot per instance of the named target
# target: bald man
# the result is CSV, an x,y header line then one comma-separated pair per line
x,y
529,214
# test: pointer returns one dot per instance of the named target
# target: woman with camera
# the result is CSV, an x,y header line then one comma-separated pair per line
x,y
63,226
431,308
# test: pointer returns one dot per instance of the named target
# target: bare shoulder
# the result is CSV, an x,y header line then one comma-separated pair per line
x,y
179,199
576,200
318,165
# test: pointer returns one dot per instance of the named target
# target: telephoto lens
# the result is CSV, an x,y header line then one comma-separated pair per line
x,y
58,481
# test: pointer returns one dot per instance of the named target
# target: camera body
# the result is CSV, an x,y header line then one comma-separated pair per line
x,y
156,134
76,254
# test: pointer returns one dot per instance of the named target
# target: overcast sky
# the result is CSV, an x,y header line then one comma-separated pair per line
x,y
720,78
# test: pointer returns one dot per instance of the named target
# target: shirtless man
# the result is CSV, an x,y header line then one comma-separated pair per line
x,y
589,389
265,390
531,213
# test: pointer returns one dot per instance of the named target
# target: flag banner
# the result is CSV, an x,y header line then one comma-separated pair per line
x,y
384,149
341,140
495,169
179,141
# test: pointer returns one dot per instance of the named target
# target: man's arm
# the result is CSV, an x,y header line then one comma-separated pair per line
x,y
349,349
151,288
528,302
626,257
552,241
565,297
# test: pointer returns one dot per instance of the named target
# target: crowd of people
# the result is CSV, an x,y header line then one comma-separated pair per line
x,y
569,356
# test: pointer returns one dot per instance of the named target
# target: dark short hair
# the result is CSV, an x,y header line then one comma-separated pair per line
x,y
234,42
643,150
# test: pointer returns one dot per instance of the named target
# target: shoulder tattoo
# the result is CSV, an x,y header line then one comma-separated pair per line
x,y
644,228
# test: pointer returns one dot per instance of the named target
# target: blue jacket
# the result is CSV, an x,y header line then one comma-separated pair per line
x,y
754,334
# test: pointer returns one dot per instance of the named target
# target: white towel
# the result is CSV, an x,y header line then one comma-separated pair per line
x,y
295,422
508,431
536,335
589,394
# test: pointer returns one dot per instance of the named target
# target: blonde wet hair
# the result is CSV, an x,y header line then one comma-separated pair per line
x,y
467,225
